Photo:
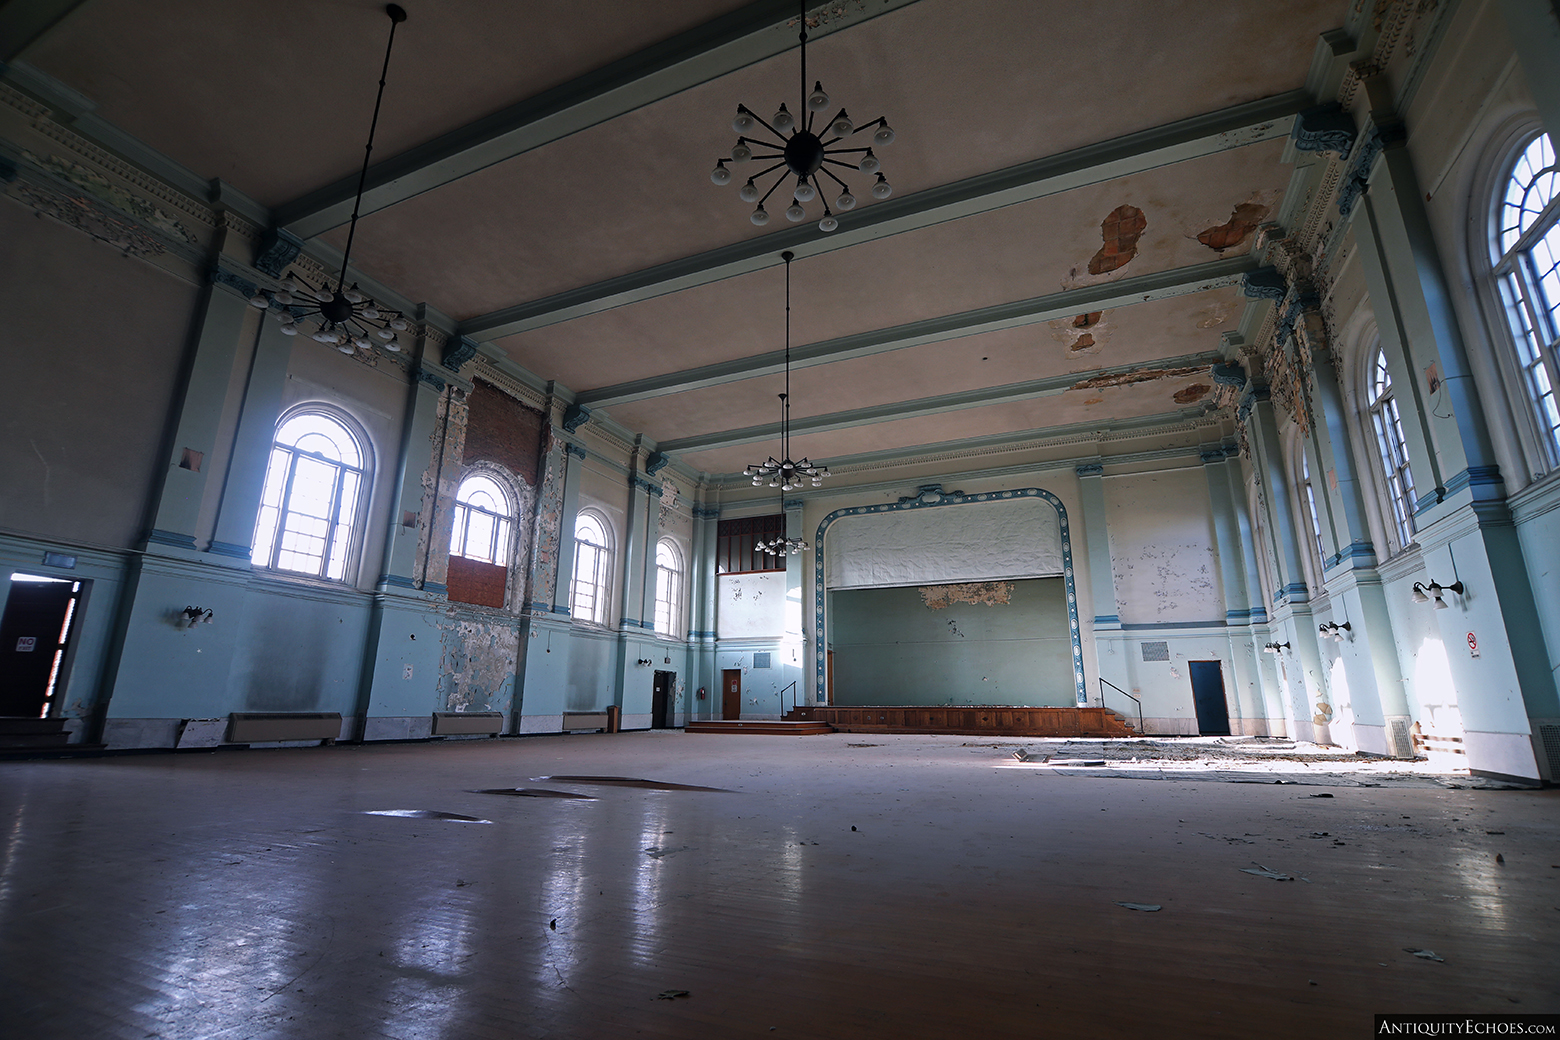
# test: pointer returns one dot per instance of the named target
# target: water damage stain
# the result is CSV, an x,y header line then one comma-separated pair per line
x,y
532,792
1195,392
425,814
1243,221
1120,229
1141,375
625,781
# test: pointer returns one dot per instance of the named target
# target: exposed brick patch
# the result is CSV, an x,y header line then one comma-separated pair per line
x,y
1083,342
1141,375
1121,230
502,430
472,581
1243,221
1089,320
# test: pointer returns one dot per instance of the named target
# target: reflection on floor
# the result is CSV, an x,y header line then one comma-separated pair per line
x,y
912,886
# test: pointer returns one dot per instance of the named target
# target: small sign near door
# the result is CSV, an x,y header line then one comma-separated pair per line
x,y
26,644
1473,645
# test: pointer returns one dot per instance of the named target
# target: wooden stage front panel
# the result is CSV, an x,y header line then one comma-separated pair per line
x,y
976,720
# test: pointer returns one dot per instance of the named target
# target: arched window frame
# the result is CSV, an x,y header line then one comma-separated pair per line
x,y
350,477
1521,282
1383,426
669,582
590,586
467,520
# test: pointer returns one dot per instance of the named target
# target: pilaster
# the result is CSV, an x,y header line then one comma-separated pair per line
x,y
1535,33
245,481
1096,535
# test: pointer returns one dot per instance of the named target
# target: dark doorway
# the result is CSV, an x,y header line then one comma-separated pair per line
x,y
662,706
34,635
731,693
1213,717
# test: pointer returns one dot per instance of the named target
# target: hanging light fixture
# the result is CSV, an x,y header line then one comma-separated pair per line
x,y
803,154
343,317
784,473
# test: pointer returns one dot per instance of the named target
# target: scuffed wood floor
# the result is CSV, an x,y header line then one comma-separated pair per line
x,y
247,894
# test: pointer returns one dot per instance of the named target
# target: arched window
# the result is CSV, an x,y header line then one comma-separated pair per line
x,y
1388,427
588,594
313,496
668,587
1308,495
484,521
1526,248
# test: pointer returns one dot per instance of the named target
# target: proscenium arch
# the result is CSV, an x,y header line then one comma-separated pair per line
x,y
930,499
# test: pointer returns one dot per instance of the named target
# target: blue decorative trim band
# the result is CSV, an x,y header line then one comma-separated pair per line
x,y
931,496
1353,551
396,581
174,538
1258,616
238,552
1106,619
1237,615
641,484
425,376
701,635
1473,476
1090,469
438,588
557,609
700,513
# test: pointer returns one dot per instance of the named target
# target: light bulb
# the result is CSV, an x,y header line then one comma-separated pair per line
x,y
1418,594
842,126
748,192
371,312
804,192
744,121
384,334
284,297
399,324
393,347
794,212
288,285
758,481
869,163
882,189
720,175
286,319
817,100
259,300
345,348
324,295
760,215
740,152
353,296
321,336
828,224
289,330
361,342
783,119
1441,604
845,201
884,135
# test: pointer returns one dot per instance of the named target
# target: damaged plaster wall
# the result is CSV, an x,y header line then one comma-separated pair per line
x,y
1162,541
750,606
1014,538
1000,642
478,655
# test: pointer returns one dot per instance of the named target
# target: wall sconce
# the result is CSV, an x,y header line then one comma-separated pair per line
x,y
189,617
1425,593
1334,631
1275,648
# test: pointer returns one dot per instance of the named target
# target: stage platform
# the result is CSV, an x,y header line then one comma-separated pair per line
x,y
972,720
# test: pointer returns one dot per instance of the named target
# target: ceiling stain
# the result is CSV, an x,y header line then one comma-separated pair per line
x,y
1195,392
1139,375
1120,229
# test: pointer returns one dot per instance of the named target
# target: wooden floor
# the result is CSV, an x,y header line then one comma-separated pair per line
x,y
837,887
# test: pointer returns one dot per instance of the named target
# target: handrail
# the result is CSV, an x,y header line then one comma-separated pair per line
x,y
1106,682
792,688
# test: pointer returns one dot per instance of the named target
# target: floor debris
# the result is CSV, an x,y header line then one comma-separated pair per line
x,y
532,792
1148,907
1429,955
425,814
625,781
672,994
1260,871
656,852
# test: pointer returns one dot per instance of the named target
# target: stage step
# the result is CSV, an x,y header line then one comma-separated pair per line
x,y
971,720
26,734
792,727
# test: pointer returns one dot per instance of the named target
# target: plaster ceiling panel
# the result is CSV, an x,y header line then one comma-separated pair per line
x,y
970,86
1108,407
1031,249
1141,334
275,98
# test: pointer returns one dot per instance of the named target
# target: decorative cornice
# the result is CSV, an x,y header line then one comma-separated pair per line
x,y
1265,283
575,450
574,417
457,351
1228,373
701,513
1356,180
1090,469
276,250
656,463
1325,128
487,370
431,379
639,483
219,275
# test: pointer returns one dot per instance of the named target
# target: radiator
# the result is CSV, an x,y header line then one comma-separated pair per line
x,y
581,720
259,727
451,723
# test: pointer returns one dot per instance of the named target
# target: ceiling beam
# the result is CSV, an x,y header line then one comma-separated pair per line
x,y
1175,142
976,398
733,41
1122,292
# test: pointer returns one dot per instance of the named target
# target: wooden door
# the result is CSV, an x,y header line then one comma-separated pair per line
x,y
33,636
731,693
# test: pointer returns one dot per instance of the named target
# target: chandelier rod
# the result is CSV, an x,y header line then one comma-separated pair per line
x,y
397,16
785,419
802,109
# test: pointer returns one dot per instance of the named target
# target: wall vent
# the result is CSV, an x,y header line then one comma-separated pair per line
x,y
761,660
458,723
260,727
1156,651
1399,736
1549,737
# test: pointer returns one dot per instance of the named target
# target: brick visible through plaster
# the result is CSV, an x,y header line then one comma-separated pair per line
x,y
1121,230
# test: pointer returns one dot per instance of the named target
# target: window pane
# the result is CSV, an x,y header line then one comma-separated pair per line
x,y
458,535
479,537
323,435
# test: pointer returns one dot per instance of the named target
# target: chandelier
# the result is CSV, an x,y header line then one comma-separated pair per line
x,y
343,317
802,153
785,474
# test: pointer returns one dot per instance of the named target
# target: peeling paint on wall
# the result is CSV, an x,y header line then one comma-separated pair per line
x,y
1121,230
978,593
1140,375
549,513
476,664
440,481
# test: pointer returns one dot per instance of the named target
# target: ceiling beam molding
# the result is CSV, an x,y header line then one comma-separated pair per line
x,y
1192,138
760,30
977,398
1122,292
